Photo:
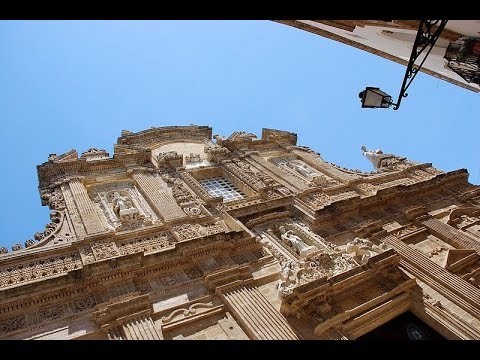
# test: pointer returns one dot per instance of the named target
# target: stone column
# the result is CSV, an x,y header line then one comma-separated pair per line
x,y
259,319
140,327
158,195
453,287
450,235
86,208
114,332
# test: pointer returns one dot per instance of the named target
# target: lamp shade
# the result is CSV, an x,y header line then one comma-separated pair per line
x,y
373,97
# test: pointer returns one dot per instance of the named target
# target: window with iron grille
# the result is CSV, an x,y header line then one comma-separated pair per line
x,y
220,186
464,58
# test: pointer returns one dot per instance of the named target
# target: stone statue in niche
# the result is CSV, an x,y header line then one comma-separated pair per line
x,y
123,207
120,203
296,242
363,249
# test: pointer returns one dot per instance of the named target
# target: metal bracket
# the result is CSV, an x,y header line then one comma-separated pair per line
x,y
428,33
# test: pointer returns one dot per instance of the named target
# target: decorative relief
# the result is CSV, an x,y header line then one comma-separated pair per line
x,y
121,289
53,312
83,304
362,249
406,230
11,324
325,181
56,231
87,256
146,244
193,273
123,206
104,250
215,152
169,159
93,154
183,313
189,203
53,198
251,176
36,269
190,231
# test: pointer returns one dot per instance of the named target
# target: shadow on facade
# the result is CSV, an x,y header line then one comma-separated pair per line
x,y
404,327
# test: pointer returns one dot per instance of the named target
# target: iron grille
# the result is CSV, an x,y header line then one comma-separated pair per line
x,y
464,58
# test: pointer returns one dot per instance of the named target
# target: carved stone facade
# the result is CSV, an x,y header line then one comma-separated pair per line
x,y
183,236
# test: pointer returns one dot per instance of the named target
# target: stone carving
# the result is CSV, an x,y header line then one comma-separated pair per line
x,y
54,199
324,181
11,324
52,227
189,203
406,230
104,250
83,304
385,162
289,277
145,244
193,272
94,154
301,168
331,264
215,152
87,256
123,206
363,249
44,267
16,247
184,312
121,289
169,159
249,176
3,250
52,312
192,158
318,200
190,231
241,136
29,243
168,280
296,242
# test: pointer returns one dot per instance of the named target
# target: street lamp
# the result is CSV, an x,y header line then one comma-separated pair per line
x,y
428,33
373,97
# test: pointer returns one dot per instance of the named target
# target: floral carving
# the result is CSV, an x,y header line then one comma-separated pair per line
x,y
11,324
189,203
104,250
193,272
145,244
83,304
52,312
54,199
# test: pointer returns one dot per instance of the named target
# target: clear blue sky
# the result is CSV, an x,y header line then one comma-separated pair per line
x,y
77,84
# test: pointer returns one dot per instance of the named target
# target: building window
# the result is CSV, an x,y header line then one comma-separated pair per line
x,y
220,186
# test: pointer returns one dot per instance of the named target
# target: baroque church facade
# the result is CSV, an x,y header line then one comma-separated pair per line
x,y
185,235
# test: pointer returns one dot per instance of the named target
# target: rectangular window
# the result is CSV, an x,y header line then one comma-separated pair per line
x,y
220,186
